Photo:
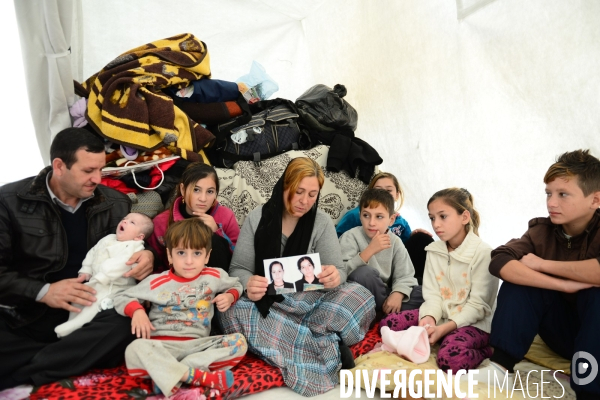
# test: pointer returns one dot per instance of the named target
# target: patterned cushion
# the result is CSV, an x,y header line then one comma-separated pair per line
x,y
248,185
148,203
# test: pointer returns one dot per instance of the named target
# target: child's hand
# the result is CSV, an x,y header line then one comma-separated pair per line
x,y
380,241
393,303
570,286
223,301
441,331
86,277
208,220
141,325
428,323
436,334
532,261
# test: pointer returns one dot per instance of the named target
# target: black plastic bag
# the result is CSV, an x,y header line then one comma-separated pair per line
x,y
324,109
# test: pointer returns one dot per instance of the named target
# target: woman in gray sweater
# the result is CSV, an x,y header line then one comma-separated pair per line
x,y
301,332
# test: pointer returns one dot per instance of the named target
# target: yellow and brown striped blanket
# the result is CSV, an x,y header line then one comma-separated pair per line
x,y
127,106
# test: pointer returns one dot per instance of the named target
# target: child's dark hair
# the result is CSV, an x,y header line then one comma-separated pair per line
x,y
271,268
371,198
396,184
305,258
461,200
189,233
579,163
192,174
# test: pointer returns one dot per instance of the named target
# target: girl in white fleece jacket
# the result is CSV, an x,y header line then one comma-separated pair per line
x,y
458,289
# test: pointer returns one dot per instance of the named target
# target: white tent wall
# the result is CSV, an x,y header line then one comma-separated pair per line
x,y
485,103
20,154
45,28
236,33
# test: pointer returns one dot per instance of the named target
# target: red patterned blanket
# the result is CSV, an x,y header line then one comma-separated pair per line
x,y
252,375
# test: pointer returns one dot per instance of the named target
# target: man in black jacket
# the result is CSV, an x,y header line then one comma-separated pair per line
x,y
47,225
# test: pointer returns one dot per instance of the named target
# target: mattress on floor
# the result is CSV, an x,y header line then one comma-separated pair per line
x,y
539,358
251,375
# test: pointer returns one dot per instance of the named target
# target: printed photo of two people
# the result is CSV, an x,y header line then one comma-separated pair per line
x,y
293,274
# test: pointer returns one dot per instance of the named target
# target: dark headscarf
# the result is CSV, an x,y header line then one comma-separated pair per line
x,y
267,239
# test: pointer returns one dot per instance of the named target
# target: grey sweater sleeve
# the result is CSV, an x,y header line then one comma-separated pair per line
x,y
394,261
403,276
242,262
139,293
228,284
352,244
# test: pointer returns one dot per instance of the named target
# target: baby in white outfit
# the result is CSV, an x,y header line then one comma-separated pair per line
x,y
104,266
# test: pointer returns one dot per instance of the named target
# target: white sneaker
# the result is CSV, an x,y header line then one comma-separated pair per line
x,y
496,376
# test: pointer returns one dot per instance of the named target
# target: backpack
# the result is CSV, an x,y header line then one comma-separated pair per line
x,y
274,128
324,109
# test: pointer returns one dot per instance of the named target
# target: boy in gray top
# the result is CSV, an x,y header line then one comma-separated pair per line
x,y
174,345
377,259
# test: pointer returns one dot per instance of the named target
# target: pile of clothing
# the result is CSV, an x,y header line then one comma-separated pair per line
x,y
158,104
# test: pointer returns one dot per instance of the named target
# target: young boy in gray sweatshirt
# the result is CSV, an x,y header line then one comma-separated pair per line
x,y
377,259
174,345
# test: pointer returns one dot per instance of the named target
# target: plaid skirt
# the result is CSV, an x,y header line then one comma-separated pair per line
x,y
301,334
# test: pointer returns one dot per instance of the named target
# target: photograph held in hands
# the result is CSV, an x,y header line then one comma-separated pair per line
x,y
293,274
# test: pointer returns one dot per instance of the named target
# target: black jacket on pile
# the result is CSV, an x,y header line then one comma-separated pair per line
x,y
33,241
348,153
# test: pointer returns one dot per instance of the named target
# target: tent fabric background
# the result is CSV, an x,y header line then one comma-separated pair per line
x,y
46,31
485,103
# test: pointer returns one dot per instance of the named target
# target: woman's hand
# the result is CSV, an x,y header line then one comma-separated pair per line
x,y
208,220
141,326
257,287
329,276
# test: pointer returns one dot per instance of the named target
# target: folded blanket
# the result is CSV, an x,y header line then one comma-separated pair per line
x,y
126,103
210,113
155,155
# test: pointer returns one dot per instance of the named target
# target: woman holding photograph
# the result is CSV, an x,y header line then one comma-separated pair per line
x,y
277,282
307,267
297,331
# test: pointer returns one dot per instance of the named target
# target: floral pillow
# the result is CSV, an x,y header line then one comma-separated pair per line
x,y
250,184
